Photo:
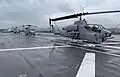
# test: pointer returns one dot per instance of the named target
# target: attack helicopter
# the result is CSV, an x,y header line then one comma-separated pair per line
x,y
81,30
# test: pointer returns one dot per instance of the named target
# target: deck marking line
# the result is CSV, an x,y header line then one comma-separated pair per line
x,y
96,51
111,47
87,68
31,48
110,43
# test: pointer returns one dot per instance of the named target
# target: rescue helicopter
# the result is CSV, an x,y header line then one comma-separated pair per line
x,y
81,30
29,30
15,30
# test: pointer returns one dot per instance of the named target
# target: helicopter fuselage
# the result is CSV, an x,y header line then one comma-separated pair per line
x,y
95,33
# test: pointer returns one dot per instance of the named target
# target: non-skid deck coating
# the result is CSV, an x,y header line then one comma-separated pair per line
x,y
53,62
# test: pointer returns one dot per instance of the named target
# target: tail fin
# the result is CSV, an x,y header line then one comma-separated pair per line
x,y
51,26
52,29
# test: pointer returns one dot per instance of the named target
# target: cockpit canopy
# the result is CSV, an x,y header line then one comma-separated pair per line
x,y
94,27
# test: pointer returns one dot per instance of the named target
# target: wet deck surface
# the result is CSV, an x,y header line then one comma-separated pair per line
x,y
60,62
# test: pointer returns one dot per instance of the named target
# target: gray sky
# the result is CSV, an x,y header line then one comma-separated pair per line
x,y
37,12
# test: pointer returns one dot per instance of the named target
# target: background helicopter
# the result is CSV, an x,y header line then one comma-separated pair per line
x,y
16,30
29,30
81,30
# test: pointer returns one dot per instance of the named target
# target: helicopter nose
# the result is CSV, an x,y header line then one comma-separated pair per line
x,y
108,34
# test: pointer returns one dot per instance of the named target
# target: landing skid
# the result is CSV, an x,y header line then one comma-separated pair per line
x,y
75,41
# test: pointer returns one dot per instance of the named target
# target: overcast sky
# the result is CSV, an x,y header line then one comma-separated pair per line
x,y
37,12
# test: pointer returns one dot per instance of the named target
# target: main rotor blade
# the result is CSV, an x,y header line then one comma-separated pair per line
x,y
103,12
65,17
82,14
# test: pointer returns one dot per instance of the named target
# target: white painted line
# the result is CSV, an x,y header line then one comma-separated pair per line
x,y
110,47
87,68
89,45
110,43
96,51
31,48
